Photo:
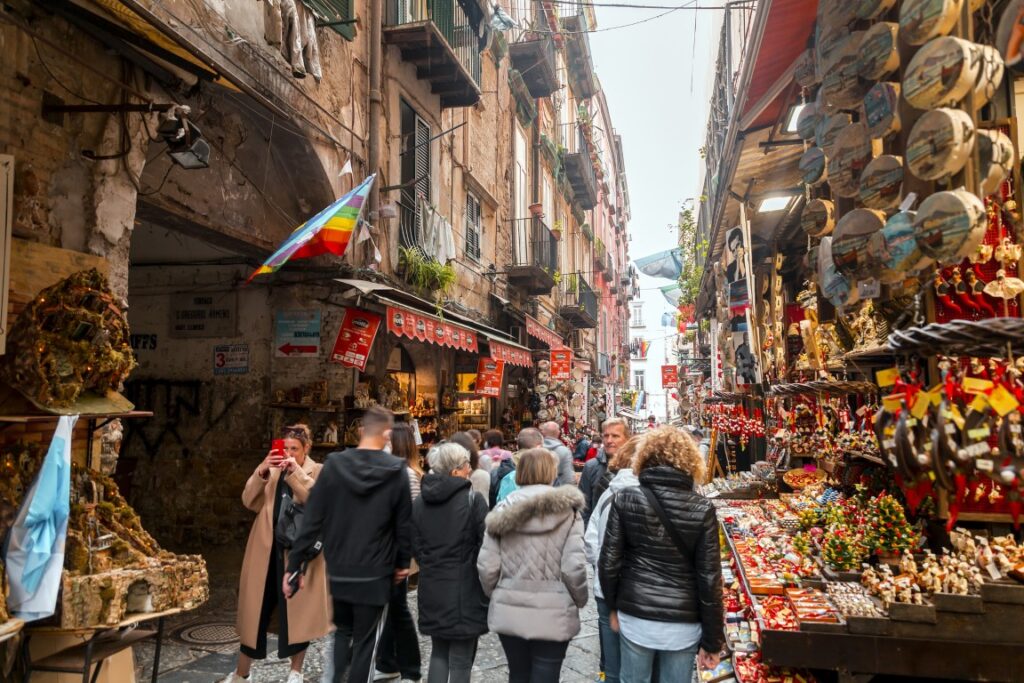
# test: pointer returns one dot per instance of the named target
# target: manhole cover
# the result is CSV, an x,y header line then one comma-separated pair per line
x,y
209,633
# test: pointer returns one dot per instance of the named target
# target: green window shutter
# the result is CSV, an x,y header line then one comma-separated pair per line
x,y
329,12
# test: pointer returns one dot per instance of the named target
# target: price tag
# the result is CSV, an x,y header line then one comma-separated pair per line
x,y
892,404
921,403
976,385
888,377
979,404
979,433
984,464
869,289
1002,401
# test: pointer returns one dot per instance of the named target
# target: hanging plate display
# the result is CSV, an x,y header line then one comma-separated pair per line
x,y
818,217
807,121
834,285
895,248
941,73
950,225
881,182
990,74
995,155
852,151
872,9
841,86
879,54
1010,34
831,31
813,166
804,73
882,110
850,242
827,131
922,20
940,143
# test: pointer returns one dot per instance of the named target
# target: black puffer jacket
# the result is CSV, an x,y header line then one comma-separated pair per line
x,y
640,569
447,532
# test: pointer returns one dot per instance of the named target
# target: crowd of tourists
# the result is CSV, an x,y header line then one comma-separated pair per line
x,y
497,541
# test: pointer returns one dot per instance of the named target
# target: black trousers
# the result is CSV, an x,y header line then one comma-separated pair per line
x,y
533,661
273,597
357,634
400,644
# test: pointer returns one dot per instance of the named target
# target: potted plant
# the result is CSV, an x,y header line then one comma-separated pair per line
x,y
537,210
556,229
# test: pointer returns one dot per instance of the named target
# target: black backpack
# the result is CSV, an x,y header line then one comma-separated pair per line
x,y
497,474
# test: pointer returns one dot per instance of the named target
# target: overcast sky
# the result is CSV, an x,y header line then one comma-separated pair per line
x,y
657,83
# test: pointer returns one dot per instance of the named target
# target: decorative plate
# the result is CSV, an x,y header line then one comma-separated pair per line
x,y
828,129
834,285
808,120
543,389
895,247
881,182
818,217
804,73
941,73
800,478
841,86
922,20
990,75
577,373
813,166
940,143
995,152
950,225
882,110
544,364
850,242
852,151
872,9
879,53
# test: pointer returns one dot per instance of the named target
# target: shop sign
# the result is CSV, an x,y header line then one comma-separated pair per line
x,y
510,354
561,364
358,330
669,376
196,316
297,333
403,322
535,329
231,359
488,377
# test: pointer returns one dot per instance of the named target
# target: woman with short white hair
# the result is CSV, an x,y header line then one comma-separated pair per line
x,y
448,530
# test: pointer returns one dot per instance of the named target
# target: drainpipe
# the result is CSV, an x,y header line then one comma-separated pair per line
x,y
376,98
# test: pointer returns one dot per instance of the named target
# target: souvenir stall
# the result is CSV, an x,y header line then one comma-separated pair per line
x,y
67,353
887,332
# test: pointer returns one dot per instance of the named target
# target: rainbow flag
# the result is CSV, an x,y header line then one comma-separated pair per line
x,y
328,232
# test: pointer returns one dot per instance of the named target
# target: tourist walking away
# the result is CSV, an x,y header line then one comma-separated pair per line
x,y
579,453
553,442
660,564
399,652
284,476
533,568
358,515
494,452
528,438
623,477
480,479
448,530
614,433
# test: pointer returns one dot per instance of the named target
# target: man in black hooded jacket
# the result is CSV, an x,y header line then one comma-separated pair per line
x,y
358,515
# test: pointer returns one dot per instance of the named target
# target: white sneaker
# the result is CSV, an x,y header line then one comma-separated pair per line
x,y
295,677
233,678
381,676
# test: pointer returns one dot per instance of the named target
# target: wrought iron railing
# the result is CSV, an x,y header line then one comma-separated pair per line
x,y
451,21
579,294
533,244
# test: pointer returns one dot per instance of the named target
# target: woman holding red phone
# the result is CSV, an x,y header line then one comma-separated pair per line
x,y
286,472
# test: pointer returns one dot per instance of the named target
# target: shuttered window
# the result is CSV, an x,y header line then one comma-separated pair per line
x,y
331,13
415,173
474,227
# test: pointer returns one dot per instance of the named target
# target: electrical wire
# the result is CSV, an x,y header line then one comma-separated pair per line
x,y
615,5
46,68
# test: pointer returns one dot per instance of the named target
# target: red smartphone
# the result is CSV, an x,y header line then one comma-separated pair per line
x,y
277,446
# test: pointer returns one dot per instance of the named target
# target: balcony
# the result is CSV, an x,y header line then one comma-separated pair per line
x,y
534,58
613,281
599,254
579,302
577,55
580,171
442,42
534,256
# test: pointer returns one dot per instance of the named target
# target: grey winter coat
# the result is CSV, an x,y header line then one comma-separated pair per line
x,y
532,564
566,473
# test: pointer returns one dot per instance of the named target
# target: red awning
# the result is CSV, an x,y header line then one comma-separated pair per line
x,y
535,329
786,33
512,355
403,322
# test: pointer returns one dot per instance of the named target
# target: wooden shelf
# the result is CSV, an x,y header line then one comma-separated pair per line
x,y
309,407
26,419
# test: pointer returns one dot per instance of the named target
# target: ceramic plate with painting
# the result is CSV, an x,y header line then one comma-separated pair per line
x,y
834,285
872,9
940,143
882,110
895,248
1010,34
808,120
804,73
850,242
878,51
922,20
941,73
818,217
812,166
841,86
828,129
995,160
990,75
852,151
881,183
950,225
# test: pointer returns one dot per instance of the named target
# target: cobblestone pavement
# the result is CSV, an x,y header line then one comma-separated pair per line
x,y
210,661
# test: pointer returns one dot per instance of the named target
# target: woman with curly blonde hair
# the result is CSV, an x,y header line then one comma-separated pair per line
x,y
659,565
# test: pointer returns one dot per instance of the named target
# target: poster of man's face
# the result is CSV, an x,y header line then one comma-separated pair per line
x,y
746,364
735,255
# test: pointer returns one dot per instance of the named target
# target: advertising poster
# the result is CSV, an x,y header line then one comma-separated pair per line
x,y
669,376
561,364
355,338
488,377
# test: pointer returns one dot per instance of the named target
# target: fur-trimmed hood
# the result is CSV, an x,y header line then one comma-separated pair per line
x,y
535,510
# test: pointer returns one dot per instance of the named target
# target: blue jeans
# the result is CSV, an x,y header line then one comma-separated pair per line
x,y
609,643
638,662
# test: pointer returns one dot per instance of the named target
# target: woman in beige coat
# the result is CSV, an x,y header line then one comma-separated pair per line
x,y
533,568
306,616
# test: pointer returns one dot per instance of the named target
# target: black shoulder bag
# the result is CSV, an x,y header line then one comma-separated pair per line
x,y
289,521
677,538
